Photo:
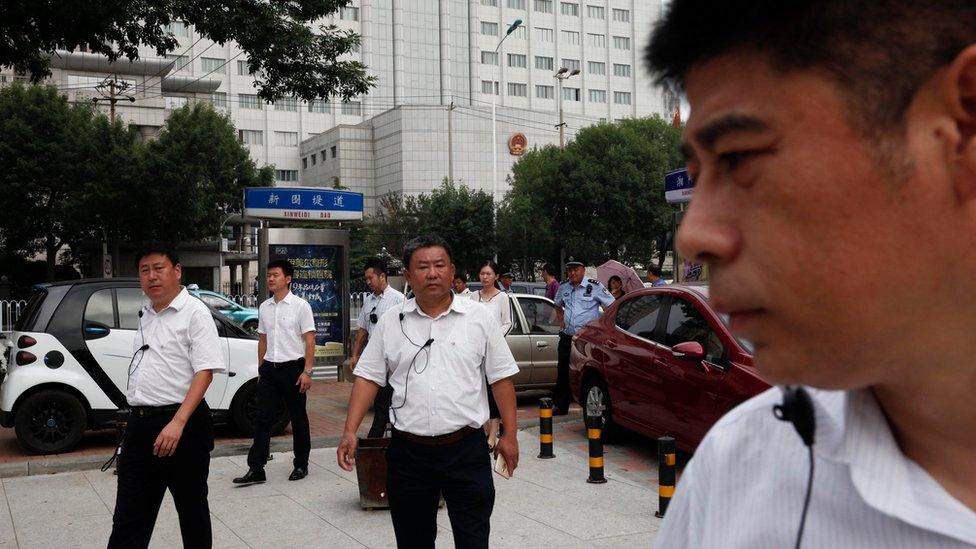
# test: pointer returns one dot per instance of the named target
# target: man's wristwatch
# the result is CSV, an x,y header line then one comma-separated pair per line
x,y
308,372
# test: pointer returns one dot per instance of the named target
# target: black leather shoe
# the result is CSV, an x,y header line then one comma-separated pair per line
x,y
251,477
299,473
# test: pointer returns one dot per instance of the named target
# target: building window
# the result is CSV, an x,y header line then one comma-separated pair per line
x,y
178,28
313,159
621,98
571,94
569,8
544,63
571,37
286,139
520,32
621,42
286,104
598,96
493,3
489,57
219,100
596,12
622,16
212,65
542,6
543,34
319,106
597,40
305,163
517,90
621,70
516,4
489,29
286,175
596,67
571,64
545,92
180,62
489,87
174,102
349,14
354,108
517,60
242,68
251,137
249,101
332,151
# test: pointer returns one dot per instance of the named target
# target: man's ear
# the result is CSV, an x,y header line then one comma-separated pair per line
x,y
959,94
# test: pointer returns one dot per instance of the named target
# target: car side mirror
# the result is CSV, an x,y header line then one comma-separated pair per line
x,y
689,350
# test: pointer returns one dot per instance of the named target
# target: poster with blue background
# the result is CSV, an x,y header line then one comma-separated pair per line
x,y
318,280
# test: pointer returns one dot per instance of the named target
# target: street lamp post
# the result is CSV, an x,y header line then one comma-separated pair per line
x,y
494,125
562,74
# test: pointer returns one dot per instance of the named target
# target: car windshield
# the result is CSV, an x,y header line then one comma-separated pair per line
x,y
33,304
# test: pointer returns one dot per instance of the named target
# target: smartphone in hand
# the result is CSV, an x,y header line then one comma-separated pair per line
x,y
501,466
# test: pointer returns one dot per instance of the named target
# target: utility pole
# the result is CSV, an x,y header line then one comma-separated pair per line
x,y
450,143
116,92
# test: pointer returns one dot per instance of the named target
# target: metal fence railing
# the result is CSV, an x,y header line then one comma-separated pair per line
x,y
10,311
355,303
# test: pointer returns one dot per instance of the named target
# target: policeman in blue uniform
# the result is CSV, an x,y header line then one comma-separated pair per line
x,y
578,302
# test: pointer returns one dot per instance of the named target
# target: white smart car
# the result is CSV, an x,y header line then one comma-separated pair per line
x,y
68,358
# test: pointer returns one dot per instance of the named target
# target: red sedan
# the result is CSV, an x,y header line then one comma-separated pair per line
x,y
660,361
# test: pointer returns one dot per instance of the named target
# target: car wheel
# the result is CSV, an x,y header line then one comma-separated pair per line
x,y
596,401
245,409
251,327
50,422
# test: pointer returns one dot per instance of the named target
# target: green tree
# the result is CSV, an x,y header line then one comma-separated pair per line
x,y
195,174
44,146
292,55
464,218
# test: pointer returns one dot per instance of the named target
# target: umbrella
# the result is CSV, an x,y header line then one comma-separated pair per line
x,y
628,276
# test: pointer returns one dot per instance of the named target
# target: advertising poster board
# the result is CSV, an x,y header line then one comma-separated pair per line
x,y
318,279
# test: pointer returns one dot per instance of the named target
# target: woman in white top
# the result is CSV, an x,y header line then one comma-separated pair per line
x,y
497,301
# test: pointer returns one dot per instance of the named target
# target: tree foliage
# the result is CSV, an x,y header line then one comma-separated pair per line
x,y
293,55
602,197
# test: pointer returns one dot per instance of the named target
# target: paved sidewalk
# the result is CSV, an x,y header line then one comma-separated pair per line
x,y
547,504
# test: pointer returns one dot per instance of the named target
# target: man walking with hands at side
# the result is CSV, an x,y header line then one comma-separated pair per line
x,y
286,352
438,350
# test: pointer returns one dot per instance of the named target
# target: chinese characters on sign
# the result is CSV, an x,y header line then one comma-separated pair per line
x,y
318,280
302,204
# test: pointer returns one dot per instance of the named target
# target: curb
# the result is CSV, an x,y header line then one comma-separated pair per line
x,y
43,466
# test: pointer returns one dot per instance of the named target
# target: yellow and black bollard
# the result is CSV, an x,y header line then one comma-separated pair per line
x,y
545,428
665,474
594,432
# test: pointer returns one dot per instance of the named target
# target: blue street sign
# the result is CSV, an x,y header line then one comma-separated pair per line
x,y
678,186
302,204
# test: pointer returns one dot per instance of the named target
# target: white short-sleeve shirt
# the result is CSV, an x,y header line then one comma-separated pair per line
x,y
284,323
446,389
378,305
182,341
745,486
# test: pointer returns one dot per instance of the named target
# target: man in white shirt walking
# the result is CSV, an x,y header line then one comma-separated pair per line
x,y
381,299
286,354
437,350
830,142
169,435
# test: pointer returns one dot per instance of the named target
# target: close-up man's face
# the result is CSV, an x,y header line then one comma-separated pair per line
x,y
277,279
430,272
159,278
805,236
459,285
374,279
575,274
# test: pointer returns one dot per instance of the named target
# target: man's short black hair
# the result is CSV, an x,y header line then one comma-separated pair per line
x,y
654,270
161,249
551,270
425,241
377,264
878,52
460,276
286,267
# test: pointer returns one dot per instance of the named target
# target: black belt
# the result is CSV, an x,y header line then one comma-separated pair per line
x,y
438,440
150,411
280,364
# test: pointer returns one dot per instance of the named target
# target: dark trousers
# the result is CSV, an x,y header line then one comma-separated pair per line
x,y
417,474
561,398
381,411
277,382
144,478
